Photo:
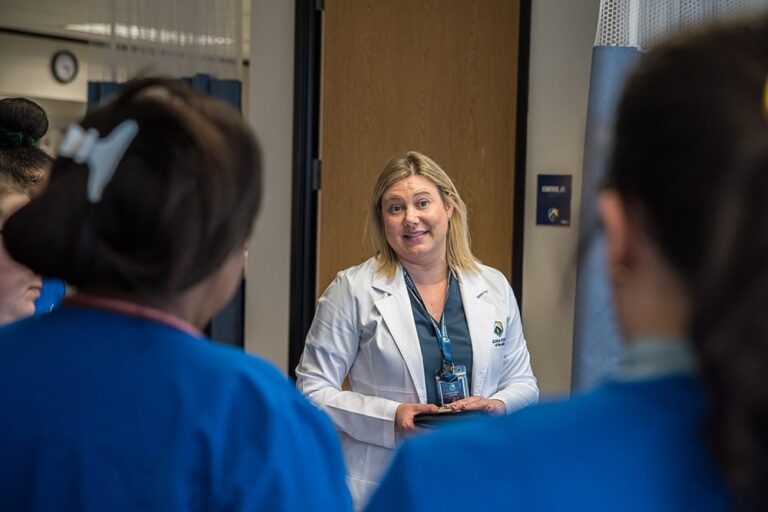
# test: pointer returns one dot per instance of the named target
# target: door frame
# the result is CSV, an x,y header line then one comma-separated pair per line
x,y
307,168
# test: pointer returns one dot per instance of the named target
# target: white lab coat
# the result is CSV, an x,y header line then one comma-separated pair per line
x,y
364,329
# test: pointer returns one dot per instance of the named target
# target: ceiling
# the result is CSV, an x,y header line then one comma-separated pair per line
x,y
50,16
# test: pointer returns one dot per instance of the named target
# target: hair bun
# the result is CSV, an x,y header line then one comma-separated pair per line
x,y
24,116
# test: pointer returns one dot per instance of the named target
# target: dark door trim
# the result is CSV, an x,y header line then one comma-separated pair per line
x,y
306,125
521,143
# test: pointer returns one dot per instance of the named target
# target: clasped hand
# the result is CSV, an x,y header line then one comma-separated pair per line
x,y
404,414
476,403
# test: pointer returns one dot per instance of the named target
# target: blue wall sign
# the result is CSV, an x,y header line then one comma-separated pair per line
x,y
553,200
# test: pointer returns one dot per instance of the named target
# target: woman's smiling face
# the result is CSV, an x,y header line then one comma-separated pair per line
x,y
416,220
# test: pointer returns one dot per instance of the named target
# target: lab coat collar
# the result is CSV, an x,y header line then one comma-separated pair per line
x,y
395,308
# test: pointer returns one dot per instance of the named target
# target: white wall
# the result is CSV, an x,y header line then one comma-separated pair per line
x,y
26,71
562,36
267,297
26,68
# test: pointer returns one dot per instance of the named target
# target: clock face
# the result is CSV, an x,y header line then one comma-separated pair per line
x,y
64,66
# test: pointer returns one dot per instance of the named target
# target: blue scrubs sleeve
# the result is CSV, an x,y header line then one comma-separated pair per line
x,y
51,295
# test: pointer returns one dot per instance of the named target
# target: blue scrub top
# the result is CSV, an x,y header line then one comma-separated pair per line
x,y
458,331
51,295
635,443
105,411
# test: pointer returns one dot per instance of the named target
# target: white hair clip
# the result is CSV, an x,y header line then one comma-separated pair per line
x,y
100,155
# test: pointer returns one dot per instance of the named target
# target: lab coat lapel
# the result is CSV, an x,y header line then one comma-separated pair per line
x,y
480,316
395,309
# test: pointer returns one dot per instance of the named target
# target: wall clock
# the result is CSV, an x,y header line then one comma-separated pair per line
x,y
64,66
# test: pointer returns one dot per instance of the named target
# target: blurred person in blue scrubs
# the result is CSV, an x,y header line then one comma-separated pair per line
x,y
116,400
683,425
24,168
19,286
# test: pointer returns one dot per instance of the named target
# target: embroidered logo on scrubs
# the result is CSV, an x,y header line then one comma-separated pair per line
x,y
498,330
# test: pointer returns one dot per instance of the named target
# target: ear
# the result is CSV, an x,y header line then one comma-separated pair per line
x,y
616,225
449,208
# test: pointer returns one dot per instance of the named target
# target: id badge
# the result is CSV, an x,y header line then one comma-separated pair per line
x,y
449,392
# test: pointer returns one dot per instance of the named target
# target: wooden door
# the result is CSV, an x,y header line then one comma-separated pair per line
x,y
436,76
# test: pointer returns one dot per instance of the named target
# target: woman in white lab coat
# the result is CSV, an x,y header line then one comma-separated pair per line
x,y
419,318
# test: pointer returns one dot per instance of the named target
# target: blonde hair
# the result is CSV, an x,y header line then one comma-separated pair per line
x,y
458,251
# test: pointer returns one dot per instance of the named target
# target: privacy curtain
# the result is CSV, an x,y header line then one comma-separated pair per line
x,y
625,29
226,90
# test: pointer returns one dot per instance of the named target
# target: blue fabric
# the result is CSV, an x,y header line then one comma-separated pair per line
x,y
51,295
100,411
652,356
596,344
98,91
629,446
226,90
458,331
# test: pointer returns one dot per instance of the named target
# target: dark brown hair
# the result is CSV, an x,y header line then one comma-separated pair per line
x,y
691,162
183,197
22,124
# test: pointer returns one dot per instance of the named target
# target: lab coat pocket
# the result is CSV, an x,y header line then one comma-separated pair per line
x,y
383,367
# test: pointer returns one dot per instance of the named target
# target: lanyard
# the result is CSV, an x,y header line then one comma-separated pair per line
x,y
441,333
